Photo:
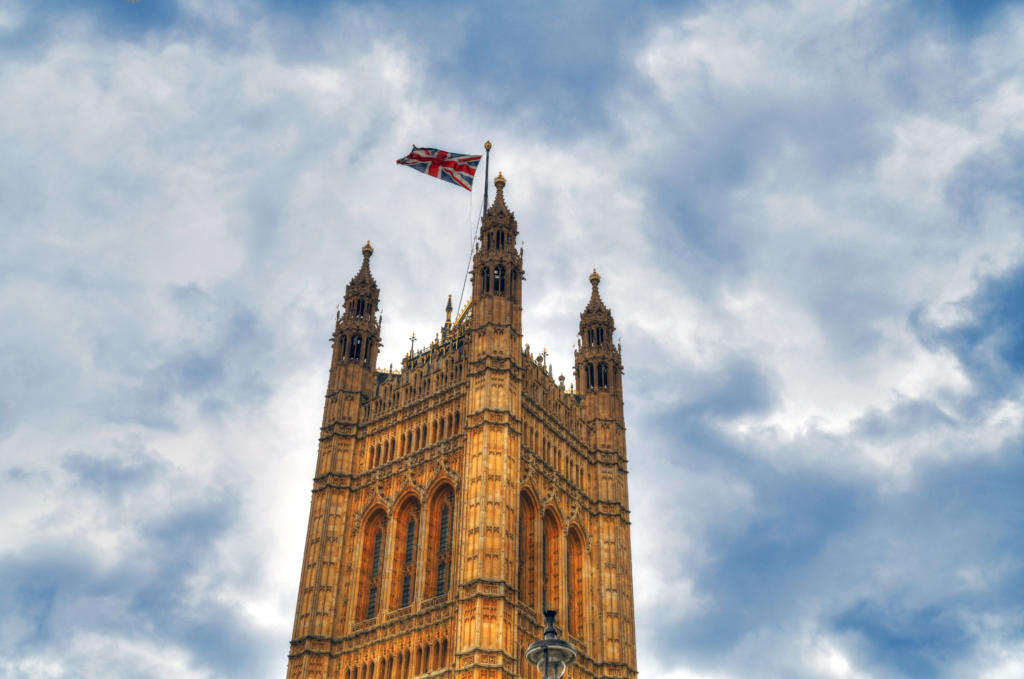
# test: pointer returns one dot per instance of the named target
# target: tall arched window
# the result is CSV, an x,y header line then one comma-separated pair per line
x,y
485,275
602,375
440,543
499,239
357,345
366,352
574,591
341,346
499,280
360,307
371,567
403,586
600,336
590,337
527,580
551,558
590,375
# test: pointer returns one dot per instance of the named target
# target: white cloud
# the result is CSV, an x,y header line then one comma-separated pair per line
x,y
878,233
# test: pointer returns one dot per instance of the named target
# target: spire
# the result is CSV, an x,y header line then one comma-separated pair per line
x,y
595,305
447,317
498,209
363,275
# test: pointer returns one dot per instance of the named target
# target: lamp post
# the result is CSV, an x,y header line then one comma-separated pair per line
x,y
551,655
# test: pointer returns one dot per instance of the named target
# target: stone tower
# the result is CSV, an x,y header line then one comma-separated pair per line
x,y
458,497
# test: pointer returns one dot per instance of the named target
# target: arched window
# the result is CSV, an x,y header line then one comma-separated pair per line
x,y
490,241
600,336
590,375
440,543
402,589
499,280
341,346
366,353
410,549
602,375
590,337
485,275
371,566
360,307
551,559
574,592
527,581
357,345
499,239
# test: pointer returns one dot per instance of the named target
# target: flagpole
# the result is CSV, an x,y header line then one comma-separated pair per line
x,y
483,210
487,172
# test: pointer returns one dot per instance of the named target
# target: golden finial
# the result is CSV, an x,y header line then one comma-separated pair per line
x,y
367,249
595,278
499,181
487,145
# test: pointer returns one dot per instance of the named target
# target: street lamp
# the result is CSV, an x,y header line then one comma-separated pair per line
x,y
551,655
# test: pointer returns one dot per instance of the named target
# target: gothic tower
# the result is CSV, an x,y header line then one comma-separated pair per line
x,y
458,497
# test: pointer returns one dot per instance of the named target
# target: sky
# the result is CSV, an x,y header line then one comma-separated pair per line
x,y
807,216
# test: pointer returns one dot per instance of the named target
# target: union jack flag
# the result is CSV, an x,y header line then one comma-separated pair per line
x,y
457,168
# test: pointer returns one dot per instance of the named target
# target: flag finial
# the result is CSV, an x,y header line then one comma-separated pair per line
x,y
487,145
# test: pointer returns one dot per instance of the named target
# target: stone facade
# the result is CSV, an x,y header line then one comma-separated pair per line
x,y
457,498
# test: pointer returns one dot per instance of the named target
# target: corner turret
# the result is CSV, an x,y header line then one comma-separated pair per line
x,y
498,267
357,332
598,361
